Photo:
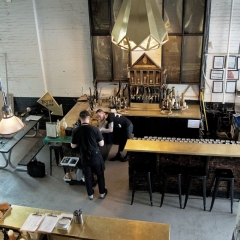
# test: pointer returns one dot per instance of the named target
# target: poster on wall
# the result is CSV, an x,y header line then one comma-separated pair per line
x,y
231,87
231,62
217,87
216,74
232,75
218,62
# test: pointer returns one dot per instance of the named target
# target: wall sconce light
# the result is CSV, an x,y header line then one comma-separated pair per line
x,y
139,26
9,124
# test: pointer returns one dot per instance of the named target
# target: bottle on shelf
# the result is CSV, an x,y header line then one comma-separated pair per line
x,y
62,129
58,127
64,123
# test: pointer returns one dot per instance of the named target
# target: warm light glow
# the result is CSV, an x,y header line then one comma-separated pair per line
x,y
11,125
139,26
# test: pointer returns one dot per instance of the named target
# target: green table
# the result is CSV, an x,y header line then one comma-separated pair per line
x,y
58,139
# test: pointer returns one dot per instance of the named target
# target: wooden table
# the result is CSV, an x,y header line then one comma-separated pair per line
x,y
94,227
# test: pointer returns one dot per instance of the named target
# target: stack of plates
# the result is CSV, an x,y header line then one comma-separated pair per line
x,y
63,223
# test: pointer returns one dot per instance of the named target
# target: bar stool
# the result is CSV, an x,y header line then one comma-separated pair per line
x,y
172,171
223,175
58,150
142,173
195,173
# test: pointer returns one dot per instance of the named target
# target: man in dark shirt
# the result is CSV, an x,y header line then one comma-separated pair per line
x,y
88,138
108,121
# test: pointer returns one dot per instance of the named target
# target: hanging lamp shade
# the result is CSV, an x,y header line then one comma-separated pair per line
x,y
139,26
9,123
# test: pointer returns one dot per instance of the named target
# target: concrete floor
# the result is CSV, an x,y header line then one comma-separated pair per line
x,y
51,192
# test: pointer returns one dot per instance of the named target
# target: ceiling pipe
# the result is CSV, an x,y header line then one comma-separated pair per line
x,y
39,45
228,46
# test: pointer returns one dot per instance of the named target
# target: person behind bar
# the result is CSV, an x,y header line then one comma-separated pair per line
x,y
108,121
89,138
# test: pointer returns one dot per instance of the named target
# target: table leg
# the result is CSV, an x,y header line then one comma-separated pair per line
x,y
36,129
7,158
6,162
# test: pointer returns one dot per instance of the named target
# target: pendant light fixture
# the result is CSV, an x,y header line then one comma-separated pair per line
x,y
9,123
139,26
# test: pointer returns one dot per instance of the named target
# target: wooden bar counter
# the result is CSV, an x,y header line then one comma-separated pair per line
x,y
72,116
149,120
147,110
207,156
199,149
93,227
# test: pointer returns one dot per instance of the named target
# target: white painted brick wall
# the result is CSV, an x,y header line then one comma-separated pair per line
x,y
64,34
65,39
18,40
219,29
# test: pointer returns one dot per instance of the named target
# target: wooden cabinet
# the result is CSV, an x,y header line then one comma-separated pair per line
x,y
146,79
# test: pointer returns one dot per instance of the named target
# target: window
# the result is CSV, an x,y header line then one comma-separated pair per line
x,y
182,54
109,62
186,22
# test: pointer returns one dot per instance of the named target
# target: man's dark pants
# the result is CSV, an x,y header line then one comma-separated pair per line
x,y
98,169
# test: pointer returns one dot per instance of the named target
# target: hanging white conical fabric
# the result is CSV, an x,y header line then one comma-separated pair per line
x,y
139,26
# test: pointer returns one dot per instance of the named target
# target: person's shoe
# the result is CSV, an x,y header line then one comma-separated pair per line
x,y
125,158
117,157
103,195
91,197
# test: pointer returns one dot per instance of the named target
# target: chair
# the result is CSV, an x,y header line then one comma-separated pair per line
x,y
223,175
172,171
195,173
58,150
145,174
140,173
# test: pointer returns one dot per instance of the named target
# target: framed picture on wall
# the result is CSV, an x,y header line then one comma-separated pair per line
x,y
216,74
230,86
238,60
217,87
218,62
231,62
233,75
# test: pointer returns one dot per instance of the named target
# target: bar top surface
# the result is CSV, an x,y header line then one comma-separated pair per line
x,y
192,112
198,149
94,227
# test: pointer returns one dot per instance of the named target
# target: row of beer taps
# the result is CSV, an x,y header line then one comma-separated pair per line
x,y
119,100
145,94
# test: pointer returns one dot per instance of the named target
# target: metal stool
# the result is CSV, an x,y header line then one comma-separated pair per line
x,y
195,173
146,173
58,150
223,175
172,171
